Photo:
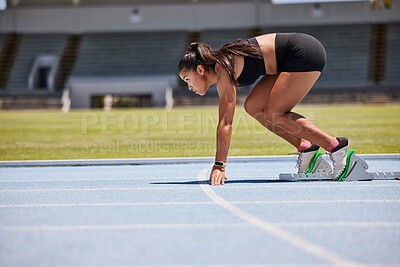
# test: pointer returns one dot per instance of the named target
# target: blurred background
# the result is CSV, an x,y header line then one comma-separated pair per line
x,y
124,53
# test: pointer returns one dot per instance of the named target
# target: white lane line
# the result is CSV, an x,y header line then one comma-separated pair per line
x,y
340,224
161,180
224,265
319,201
106,204
91,189
268,184
235,265
113,227
277,231
238,265
193,203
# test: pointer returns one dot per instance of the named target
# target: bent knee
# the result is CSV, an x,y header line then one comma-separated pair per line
x,y
248,107
251,108
254,112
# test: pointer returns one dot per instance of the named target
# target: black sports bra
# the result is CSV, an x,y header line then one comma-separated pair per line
x,y
253,68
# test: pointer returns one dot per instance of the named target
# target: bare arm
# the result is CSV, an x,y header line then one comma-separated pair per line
x,y
227,103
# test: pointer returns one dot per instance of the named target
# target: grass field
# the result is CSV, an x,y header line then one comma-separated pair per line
x,y
182,132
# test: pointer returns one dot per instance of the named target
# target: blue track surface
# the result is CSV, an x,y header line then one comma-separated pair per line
x,y
166,215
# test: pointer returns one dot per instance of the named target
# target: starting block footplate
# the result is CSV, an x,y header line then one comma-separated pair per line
x,y
356,171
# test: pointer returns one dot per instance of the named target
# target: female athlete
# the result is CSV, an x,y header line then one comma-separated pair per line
x,y
289,64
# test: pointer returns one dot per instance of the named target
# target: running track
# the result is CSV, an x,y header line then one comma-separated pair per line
x,y
116,213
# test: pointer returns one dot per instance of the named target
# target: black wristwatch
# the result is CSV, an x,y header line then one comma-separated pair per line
x,y
221,165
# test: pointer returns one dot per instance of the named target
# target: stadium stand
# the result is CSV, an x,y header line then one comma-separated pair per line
x,y
3,75
129,54
216,38
2,37
22,52
9,46
139,64
393,55
33,45
67,60
348,74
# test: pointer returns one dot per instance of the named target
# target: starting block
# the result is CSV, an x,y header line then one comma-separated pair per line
x,y
356,170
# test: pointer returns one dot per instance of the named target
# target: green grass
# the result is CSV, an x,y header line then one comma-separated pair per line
x,y
182,132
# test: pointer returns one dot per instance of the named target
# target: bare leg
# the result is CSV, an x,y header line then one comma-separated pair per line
x,y
272,100
287,92
255,106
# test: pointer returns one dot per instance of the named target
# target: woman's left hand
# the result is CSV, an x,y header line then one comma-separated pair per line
x,y
217,176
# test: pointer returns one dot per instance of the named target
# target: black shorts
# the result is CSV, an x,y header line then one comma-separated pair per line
x,y
298,52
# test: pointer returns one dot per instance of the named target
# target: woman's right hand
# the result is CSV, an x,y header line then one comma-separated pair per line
x,y
217,176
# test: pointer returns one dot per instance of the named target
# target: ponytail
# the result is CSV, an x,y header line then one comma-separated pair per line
x,y
202,54
198,54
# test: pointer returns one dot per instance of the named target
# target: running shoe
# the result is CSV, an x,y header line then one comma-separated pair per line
x,y
306,159
338,158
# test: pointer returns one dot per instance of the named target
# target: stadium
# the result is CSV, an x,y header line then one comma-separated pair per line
x,y
95,48
105,151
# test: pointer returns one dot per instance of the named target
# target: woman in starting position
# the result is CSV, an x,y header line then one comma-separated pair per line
x,y
290,64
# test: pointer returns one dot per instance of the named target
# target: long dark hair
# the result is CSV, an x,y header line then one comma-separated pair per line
x,y
202,54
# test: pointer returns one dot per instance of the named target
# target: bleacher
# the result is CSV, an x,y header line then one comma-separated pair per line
x,y
2,37
33,45
129,54
216,38
138,54
2,75
392,67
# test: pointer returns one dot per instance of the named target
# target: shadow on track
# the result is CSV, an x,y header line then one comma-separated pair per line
x,y
251,181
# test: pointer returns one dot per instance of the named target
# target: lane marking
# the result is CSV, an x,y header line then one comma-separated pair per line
x,y
262,202
110,204
176,187
234,265
93,179
320,184
277,231
340,224
90,189
113,227
319,201
224,265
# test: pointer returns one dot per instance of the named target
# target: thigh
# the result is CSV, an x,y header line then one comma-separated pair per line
x,y
289,89
259,95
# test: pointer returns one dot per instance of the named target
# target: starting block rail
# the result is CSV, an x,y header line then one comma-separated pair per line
x,y
357,171
386,175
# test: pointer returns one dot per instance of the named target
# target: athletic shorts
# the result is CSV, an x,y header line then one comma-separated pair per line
x,y
298,52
